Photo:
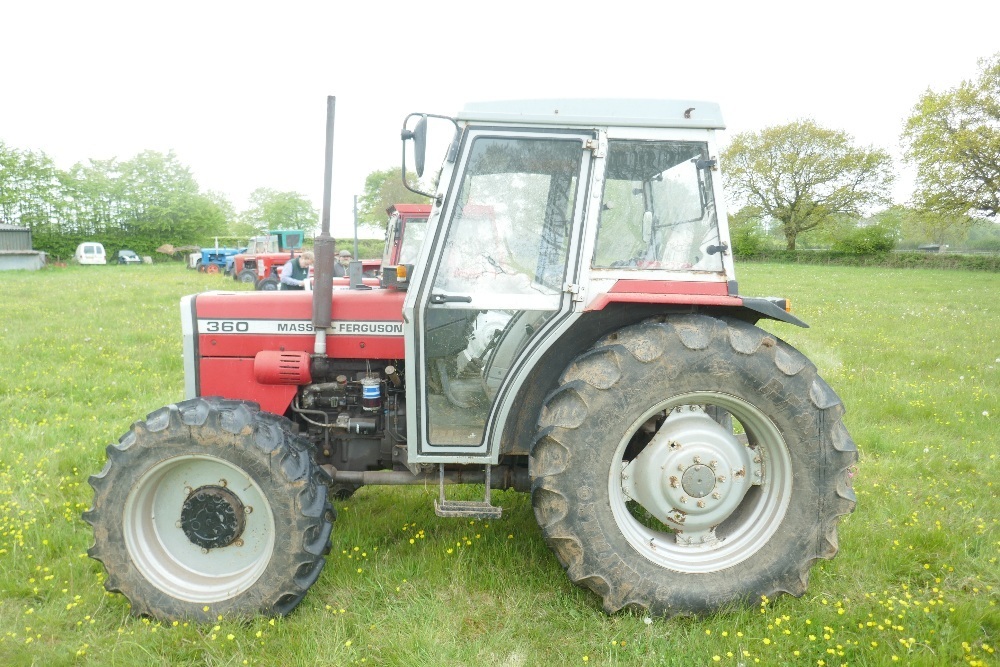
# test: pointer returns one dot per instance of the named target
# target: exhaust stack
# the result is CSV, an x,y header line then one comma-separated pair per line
x,y
324,245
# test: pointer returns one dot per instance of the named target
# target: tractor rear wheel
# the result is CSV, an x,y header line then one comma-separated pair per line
x,y
269,284
691,462
247,276
210,507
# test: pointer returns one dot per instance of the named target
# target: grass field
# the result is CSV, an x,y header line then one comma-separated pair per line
x,y
915,355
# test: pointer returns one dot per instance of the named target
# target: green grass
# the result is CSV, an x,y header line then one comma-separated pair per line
x,y
915,354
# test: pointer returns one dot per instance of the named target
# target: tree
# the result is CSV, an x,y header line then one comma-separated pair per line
x,y
383,189
920,226
270,210
803,176
29,189
226,209
953,139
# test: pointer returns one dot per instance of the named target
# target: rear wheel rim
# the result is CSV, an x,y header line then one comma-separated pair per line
x,y
747,529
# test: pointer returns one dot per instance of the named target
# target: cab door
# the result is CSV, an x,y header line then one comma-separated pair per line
x,y
506,246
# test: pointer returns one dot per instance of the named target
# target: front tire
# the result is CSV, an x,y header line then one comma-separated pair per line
x,y
652,499
210,507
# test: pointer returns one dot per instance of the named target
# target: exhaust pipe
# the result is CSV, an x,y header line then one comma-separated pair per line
x,y
324,245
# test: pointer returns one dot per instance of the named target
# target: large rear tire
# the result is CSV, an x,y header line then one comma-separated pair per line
x,y
247,276
689,463
269,284
210,507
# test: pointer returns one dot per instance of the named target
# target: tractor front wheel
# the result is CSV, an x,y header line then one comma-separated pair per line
x,y
689,463
210,507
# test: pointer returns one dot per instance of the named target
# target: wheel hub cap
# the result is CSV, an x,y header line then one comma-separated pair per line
x,y
213,517
698,481
692,475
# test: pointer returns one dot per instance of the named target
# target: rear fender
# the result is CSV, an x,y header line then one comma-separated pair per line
x,y
520,427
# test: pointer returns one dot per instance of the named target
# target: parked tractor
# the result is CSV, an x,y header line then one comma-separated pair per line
x,y
595,353
263,257
217,260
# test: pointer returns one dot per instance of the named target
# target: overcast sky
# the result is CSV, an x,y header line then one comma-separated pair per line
x,y
238,89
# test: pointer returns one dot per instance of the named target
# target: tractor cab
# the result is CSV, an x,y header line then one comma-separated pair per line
x,y
405,232
549,214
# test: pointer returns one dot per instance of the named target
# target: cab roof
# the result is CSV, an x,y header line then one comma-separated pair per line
x,y
598,112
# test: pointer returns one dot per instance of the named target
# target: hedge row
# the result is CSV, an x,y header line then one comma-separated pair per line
x,y
895,260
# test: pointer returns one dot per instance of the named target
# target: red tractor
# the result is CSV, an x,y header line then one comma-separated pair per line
x,y
595,353
264,256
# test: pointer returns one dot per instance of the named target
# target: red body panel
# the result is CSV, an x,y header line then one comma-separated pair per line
x,y
667,292
233,327
233,378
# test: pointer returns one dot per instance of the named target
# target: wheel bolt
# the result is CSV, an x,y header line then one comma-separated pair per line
x,y
701,503
716,495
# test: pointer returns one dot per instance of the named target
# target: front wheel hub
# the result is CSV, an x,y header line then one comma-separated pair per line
x,y
213,517
692,475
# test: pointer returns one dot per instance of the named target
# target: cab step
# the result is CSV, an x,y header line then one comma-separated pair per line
x,y
475,509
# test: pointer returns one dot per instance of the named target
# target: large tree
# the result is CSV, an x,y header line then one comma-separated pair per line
x,y
953,138
30,193
804,176
271,210
383,189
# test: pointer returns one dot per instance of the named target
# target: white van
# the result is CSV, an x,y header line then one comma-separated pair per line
x,y
90,253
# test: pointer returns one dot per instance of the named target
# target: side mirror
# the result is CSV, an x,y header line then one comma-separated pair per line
x,y
419,137
420,145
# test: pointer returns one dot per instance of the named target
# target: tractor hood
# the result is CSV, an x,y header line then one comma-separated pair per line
x,y
366,324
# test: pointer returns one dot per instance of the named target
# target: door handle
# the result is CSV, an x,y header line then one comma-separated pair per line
x,y
448,298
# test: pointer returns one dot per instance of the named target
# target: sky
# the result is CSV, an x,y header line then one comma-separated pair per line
x,y
238,89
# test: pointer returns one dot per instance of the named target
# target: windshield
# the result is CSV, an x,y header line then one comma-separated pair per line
x,y
658,208
413,239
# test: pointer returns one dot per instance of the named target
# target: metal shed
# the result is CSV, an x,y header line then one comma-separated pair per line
x,y
16,251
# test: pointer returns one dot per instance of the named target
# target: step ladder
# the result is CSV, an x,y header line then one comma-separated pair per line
x,y
466,508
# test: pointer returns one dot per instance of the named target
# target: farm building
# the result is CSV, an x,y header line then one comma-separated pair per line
x,y
16,251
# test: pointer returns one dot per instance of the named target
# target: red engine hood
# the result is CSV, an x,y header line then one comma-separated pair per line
x,y
366,324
